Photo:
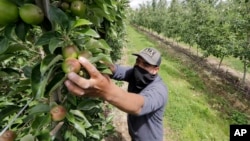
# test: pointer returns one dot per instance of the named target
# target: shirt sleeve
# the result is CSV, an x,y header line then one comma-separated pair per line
x,y
121,73
154,99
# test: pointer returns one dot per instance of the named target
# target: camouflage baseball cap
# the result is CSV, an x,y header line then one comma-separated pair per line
x,y
150,55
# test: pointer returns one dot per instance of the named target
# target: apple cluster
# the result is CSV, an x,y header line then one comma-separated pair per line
x,y
29,13
71,54
70,63
75,7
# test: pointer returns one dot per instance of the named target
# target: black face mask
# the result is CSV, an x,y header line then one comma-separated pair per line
x,y
142,77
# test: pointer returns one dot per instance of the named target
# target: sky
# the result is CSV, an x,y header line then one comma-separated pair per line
x,y
135,3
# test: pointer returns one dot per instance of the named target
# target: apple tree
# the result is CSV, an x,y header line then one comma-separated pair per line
x,y
40,41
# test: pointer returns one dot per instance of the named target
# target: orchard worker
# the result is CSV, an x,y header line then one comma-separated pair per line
x,y
145,99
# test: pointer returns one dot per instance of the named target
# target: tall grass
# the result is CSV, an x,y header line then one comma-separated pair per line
x,y
188,115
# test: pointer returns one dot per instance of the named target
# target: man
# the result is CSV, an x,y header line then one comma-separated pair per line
x,y
145,99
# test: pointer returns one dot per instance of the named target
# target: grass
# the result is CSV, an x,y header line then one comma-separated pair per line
x,y
188,111
235,63
189,115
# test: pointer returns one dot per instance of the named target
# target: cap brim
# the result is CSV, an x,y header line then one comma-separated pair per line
x,y
135,54
144,58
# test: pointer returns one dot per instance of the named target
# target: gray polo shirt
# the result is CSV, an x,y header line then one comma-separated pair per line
x,y
148,125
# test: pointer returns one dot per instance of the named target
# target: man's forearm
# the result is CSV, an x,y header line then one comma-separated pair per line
x,y
128,102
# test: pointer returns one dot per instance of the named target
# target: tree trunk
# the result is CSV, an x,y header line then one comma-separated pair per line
x,y
245,72
221,59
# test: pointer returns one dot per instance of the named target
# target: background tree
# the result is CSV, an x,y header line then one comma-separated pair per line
x,y
218,28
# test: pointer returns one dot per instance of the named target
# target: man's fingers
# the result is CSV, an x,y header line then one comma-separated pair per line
x,y
79,81
93,72
74,89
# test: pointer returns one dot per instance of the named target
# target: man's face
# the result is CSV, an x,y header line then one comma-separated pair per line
x,y
146,66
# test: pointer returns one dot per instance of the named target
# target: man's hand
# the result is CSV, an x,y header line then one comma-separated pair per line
x,y
97,85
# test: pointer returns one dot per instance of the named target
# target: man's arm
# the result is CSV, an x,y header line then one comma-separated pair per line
x,y
101,86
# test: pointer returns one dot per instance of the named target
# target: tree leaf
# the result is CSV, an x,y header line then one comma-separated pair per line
x,y
4,45
58,16
100,12
27,137
43,135
5,56
39,81
35,79
81,22
57,81
80,128
54,44
48,61
7,111
15,47
27,71
113,33
41,121
94,134
22,86
77,125
46,37
82,116
21,30
87,105
39,108
10,71
18,2
8,31
102,58
105,45
78,113
69,136
72,99
96,20
43,84
90,32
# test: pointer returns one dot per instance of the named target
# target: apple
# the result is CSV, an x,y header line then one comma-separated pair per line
x,y
58,113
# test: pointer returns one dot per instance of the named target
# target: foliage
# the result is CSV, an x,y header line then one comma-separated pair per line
x,y
32,78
